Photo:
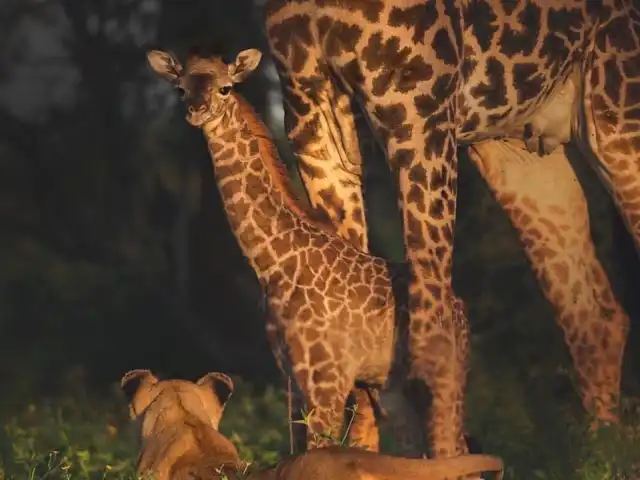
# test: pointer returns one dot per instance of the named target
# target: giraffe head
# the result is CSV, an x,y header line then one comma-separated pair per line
x,y
206,82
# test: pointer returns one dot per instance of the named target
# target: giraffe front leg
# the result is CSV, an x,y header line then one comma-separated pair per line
x,y
324,405
438,338
321,126
363,431
439,358
546,204
611,133
298,417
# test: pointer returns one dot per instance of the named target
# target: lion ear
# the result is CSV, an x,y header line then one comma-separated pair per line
x,y
219,383
132,380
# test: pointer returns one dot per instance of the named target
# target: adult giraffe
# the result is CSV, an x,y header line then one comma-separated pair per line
x,y
433,75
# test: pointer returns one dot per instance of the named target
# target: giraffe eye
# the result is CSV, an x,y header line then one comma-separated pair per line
x,y
225,90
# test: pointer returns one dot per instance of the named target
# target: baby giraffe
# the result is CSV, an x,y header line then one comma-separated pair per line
x,y
330,306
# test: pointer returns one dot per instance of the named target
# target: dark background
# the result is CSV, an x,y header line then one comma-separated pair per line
x,y
114,249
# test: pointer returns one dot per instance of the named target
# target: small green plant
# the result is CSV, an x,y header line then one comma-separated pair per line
x,y
55,443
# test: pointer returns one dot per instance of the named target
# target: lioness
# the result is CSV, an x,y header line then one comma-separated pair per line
x,y
180,440
178,422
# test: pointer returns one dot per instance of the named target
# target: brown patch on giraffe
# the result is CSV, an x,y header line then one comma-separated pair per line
x,y
556,209
617,34
320,284
315,259
414,232
318,353
469,65
530,204
471,123
338,37
414,71
426,105
561,271
267,207
231,187
632,89
443,47
418,18
440,252
370,9
447,234
492,93
401,158
264,259
543,254
332,201
529,79
436,208
522,38
612,82
242,149
389,60
394,117
438,177
292,37
418,174
483,22
308,134
352,73
436,141
358,215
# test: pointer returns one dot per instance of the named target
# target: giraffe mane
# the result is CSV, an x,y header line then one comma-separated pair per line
x,y
278,170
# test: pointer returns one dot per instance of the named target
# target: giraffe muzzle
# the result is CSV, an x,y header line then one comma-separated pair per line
x,y
198,116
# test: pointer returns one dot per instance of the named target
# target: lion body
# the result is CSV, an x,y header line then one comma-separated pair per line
x,y
180,441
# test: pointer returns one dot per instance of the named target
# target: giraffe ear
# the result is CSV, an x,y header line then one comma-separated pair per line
x,y
246,62
165,65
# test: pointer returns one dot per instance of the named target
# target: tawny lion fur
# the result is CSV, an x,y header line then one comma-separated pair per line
x,y
180,440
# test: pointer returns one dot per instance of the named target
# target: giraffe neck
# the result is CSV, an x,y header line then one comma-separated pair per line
x,y
257,199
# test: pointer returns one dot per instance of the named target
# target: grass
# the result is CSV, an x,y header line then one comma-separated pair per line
x,y
83,438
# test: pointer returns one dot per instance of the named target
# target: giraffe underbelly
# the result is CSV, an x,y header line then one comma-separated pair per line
x,y
543,125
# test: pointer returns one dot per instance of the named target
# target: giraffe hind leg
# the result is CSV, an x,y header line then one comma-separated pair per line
x,y
546,204
611,132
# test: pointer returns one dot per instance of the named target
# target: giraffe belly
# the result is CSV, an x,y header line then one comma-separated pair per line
x,y
542,127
